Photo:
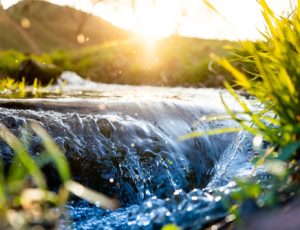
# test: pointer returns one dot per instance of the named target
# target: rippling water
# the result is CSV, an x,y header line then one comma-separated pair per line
x,y
123,141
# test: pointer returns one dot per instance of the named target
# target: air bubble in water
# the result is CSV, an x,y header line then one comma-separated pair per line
x,y
97,204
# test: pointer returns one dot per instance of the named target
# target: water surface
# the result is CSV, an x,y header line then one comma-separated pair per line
x,y
124,142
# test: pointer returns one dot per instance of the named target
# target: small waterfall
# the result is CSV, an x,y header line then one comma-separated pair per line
x,y
128,148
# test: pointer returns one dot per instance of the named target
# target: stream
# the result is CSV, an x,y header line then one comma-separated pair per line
x,y
123,141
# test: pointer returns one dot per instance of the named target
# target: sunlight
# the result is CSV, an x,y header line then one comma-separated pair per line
x,y
154,20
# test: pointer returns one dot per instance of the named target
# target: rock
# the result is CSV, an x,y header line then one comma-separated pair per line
x,y
31,69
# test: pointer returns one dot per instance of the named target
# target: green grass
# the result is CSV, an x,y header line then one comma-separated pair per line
x,y
276,84
271,74
269,70
111,55
52,27
25,199
132,61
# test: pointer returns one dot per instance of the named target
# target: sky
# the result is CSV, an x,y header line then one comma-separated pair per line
x,y
238,19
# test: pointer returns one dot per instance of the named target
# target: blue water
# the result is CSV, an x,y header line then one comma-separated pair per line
x,y
123,141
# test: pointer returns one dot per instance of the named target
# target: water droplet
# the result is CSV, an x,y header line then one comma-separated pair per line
x,y
177,192
132,145
149,204
207,218
257,141
111,180
168,214
194,198
147,192
97,203
218,198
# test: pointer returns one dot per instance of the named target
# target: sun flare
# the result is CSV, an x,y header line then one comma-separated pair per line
x,y
155,19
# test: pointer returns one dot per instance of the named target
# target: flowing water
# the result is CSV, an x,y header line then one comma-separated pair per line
x,y
124,142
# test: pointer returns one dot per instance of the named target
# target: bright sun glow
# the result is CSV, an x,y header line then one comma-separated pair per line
x,y
154,19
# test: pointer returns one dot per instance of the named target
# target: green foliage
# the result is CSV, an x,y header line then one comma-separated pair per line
x,y
24,196
271,75
133,61
10,61
52,27
11,88
276,84
170,227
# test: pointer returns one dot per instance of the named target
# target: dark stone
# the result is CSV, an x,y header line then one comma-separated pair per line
x,y
45,73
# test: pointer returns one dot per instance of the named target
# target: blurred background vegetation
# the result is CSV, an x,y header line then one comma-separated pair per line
x,y
68,39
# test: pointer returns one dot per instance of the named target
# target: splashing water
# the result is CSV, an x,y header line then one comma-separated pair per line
x,y
123,141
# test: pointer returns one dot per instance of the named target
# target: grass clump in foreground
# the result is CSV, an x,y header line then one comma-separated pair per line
x,y
275,83
25,199
269,70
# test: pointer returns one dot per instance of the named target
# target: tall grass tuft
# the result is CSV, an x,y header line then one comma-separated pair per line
x,y
25,199
275,84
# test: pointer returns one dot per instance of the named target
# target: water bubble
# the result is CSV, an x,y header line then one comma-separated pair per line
x,y
132,145
147,192
207,218
194,198
257,141
149,204
218,198
177,192
204,118
97,204
111,180
168,213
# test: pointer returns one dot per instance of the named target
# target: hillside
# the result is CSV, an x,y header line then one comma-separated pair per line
x,y
26,29
110,55
133,62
